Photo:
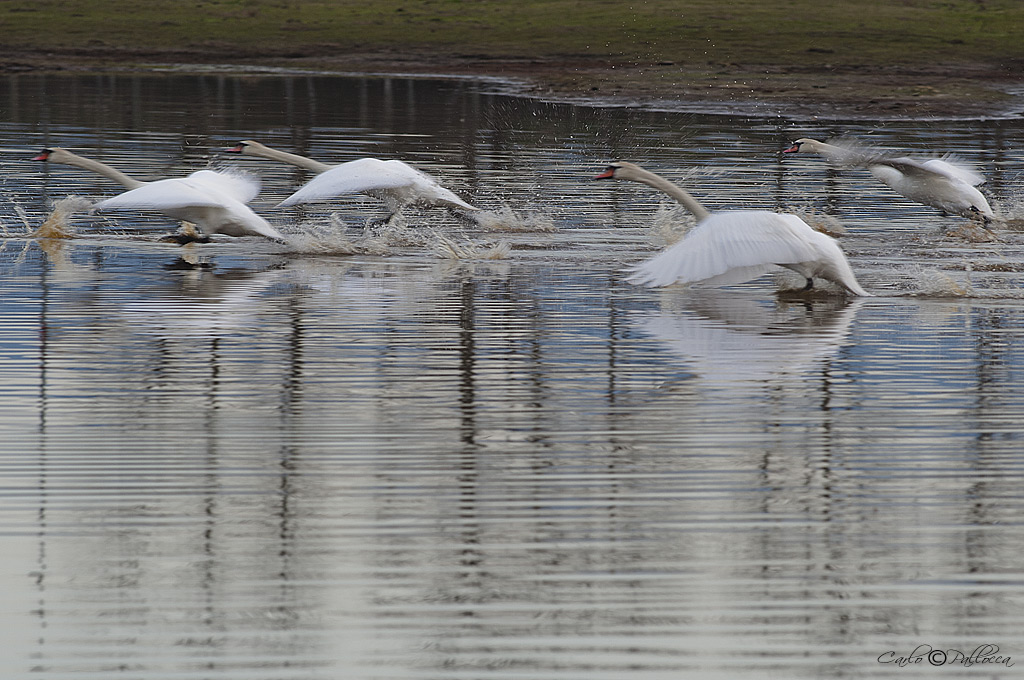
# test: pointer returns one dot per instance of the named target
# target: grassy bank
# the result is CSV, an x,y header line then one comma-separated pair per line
x,y
775,32
914,57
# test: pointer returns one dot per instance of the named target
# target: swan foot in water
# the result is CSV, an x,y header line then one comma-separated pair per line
x,y
182,238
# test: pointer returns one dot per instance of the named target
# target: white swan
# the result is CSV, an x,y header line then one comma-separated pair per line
x,y
939,183
214,201
393,182
736,246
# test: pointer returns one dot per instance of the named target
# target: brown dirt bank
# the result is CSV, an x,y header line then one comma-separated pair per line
x,y
829,92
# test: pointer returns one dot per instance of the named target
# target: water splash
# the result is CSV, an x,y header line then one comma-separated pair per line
x,y
670,223
1011,212
927,282
1010,205
449,249
972,232
823,222
791,286
396,233
58,223
332,243
375,239
507,219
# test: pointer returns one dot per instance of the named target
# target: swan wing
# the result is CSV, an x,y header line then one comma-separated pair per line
x,y
443,196
730,247
426,189
931,170
354,177
850,153
181,199
375,177
737,275
241,187
165,194
953,169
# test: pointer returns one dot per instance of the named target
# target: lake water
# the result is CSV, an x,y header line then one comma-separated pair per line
x,y
457,454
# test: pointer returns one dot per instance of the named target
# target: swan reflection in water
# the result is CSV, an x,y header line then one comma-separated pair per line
x,y
731,337
208,302
200,304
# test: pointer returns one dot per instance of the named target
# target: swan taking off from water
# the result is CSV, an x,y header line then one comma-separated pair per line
x,y
393,182
738,245
214,201
939,183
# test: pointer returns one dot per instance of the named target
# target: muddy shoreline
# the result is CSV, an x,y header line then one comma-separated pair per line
x,y
833,92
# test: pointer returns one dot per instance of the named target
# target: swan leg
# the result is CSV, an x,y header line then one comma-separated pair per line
x,y
808,285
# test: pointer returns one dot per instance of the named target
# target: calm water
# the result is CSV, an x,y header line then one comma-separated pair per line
x,y
368,460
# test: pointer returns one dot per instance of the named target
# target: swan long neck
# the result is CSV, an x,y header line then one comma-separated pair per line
x,y
285,157
658,182
68,158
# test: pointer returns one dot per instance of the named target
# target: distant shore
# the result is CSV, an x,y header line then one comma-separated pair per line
x,y
827,92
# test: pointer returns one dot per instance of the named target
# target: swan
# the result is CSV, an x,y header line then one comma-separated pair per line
x,y
393,182
214,201
937,182
737,245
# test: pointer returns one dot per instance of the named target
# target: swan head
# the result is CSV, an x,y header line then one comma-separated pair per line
x,y
50,154
800,144
620,170
56,154
246,146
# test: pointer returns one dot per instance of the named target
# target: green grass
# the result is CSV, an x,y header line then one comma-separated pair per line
x,y
777,32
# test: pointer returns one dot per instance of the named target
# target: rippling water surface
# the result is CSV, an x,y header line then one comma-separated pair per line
x,y
454,453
